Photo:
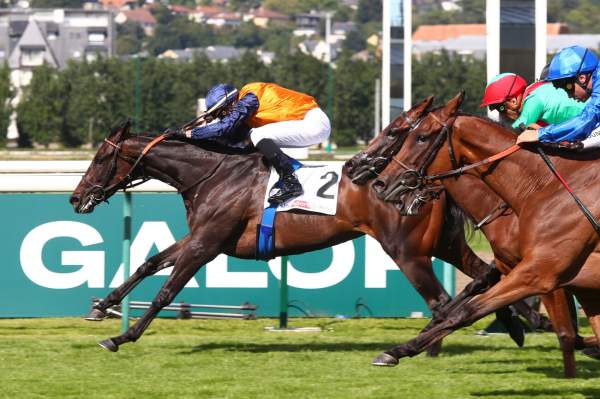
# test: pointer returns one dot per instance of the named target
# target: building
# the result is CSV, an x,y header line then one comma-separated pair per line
x,y
215,54
224,19
202,13
33,37
320,49
140,16
307,24
470,39
263,17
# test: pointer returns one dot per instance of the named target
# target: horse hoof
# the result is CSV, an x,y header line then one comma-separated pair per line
x,y
385,360
592,351
109,345
96,315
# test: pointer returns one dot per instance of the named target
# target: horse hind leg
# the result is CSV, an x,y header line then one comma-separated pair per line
x,y
152,266
185,268
510,289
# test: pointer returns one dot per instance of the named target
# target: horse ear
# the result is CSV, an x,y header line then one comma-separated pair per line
x,y
121,133
423,105
453,105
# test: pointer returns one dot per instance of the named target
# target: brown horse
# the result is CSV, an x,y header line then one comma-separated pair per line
x,y
496,220
551,245
223,194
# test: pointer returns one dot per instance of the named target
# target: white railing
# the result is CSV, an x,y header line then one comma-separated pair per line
x,y
64,176
54,176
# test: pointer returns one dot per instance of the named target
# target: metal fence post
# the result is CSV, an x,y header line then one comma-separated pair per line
x,y
126,257
283,294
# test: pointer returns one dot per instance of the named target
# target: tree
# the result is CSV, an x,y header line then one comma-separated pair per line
x,y
353,104
100,97
41,111
354,42
130,37
369,10
303,73
5,97
445,74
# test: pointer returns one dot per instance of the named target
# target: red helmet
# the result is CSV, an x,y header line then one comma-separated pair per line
x,y
503,87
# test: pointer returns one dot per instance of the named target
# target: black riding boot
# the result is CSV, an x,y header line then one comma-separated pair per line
x,y
288,186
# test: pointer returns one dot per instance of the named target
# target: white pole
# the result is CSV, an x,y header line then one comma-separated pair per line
x,y
492,24
407,19
377,127
541,38
385,64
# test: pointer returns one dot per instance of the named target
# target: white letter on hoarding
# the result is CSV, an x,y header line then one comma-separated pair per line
x,y
377,264
340,267
217,276
150,234
91,262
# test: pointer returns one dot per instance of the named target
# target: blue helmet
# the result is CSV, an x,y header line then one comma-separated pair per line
x,y
572,61
220,96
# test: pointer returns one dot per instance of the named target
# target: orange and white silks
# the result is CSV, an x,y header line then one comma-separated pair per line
x,y
277,104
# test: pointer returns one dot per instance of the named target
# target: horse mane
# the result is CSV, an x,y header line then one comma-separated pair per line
x,y
218,146
457,221
490,120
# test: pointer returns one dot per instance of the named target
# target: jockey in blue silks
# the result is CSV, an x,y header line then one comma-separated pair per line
x,y
575,69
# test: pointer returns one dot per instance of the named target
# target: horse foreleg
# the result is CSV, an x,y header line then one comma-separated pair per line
x,y
419,271
185,267
556,302
591,307
511,289
152,266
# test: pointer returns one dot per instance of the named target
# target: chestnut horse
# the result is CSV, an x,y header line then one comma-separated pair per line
x,y
551,245
223,191
498,223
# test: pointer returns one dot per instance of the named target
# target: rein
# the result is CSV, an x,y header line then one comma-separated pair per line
x,y
463,169
127,178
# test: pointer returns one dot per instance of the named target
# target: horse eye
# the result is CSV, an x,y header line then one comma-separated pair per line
x,y
421,138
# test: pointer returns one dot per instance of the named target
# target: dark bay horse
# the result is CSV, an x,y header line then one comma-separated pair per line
x,y
223,193
552,244
500,226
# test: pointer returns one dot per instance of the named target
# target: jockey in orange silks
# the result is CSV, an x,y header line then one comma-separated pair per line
x,y
274,117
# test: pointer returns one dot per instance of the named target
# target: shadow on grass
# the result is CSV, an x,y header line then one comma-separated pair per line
x,y
451,349
588,393
585,368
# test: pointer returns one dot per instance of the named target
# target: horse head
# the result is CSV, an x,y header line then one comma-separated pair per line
x,y
403,181
105,175
369,163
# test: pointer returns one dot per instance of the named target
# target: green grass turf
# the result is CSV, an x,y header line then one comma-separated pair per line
x,y
59,358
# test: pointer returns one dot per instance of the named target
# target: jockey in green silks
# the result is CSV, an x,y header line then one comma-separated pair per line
x,y
537,105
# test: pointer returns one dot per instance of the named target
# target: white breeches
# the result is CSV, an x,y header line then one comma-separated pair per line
x,y
593,140
313,129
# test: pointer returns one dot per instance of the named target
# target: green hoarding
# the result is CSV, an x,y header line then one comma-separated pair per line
x,y
56,261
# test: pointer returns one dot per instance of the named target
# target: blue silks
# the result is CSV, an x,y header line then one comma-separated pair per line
x,y
265,232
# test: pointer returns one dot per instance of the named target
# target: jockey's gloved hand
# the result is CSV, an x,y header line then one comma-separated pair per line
x,y
576,145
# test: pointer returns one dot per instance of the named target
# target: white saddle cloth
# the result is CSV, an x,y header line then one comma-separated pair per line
x,y
320,184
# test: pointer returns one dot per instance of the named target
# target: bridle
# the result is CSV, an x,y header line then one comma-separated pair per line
x,y
100,192
414,178
388,154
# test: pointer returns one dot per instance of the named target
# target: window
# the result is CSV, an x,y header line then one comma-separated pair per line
x,y
32,58
96,38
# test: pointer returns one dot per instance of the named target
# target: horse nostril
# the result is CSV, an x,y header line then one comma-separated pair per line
x,y
74,200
